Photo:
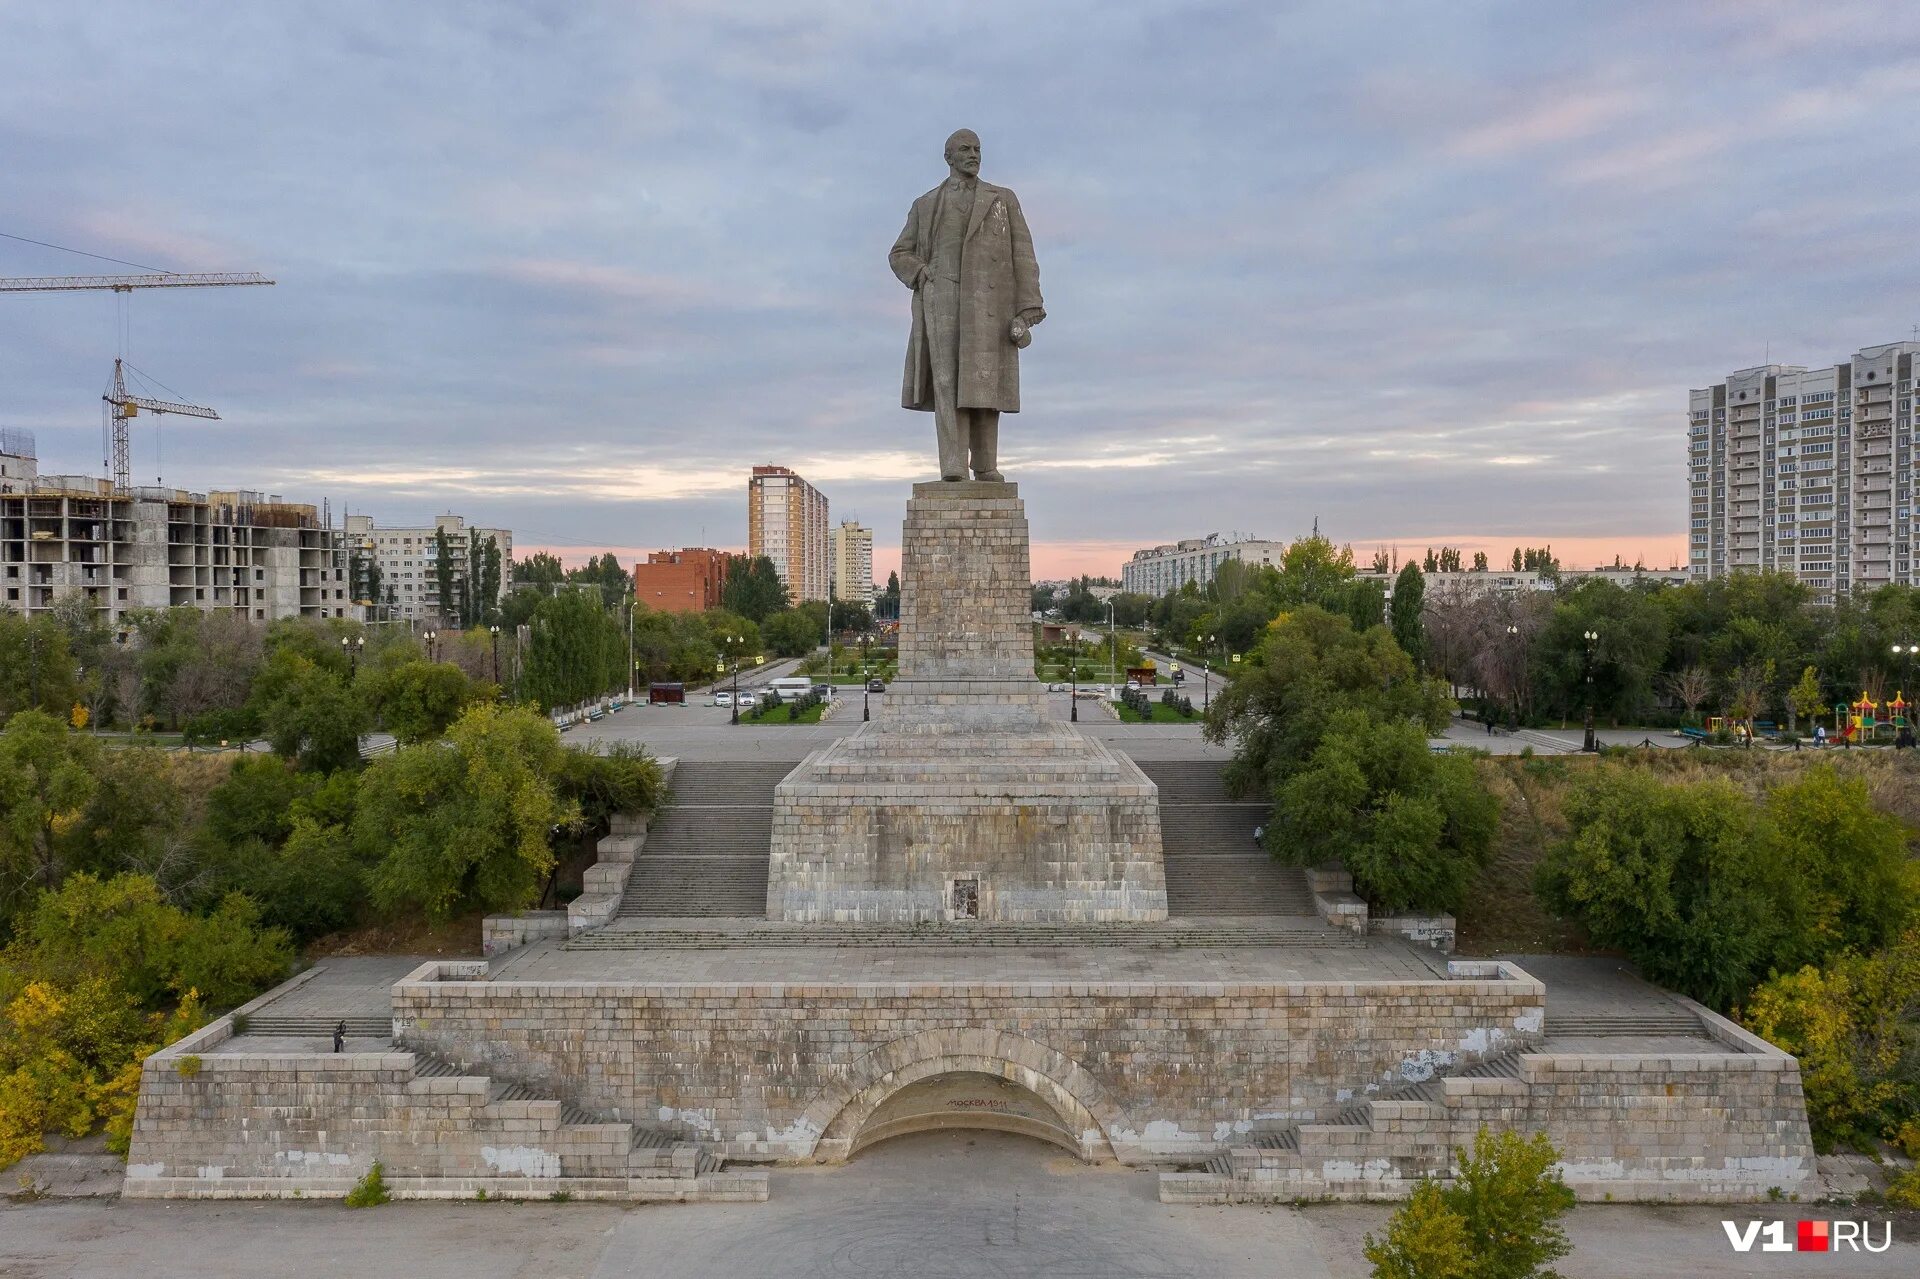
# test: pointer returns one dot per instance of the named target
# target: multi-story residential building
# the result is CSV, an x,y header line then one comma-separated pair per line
x,y
850,549
403,564
1807,471
1159,570
155,548
684,581
787,523
1474,584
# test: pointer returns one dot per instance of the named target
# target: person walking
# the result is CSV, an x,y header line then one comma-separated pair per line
x,y
340,1036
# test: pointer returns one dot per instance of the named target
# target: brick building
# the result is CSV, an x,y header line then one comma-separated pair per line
x,y
684,581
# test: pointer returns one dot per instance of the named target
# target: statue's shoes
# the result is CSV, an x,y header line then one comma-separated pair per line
x,y
954,479
990,477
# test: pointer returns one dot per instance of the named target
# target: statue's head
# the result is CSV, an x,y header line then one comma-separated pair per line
x,y
963,152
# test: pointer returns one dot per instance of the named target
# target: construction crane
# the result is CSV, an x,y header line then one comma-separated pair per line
x,y
128,283
123,405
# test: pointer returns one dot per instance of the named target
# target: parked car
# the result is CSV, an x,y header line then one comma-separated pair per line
x,y
723,699
1133,683
876,686
748,699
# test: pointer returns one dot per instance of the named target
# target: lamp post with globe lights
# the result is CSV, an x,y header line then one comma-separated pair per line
x,y
1591,744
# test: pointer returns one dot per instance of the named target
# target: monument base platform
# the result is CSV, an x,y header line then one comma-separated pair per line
x,y
1044,825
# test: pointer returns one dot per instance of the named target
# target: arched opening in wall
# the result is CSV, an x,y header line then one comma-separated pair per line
x,y
965,1099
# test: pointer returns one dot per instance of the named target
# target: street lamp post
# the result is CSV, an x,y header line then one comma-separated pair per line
x,y
351,646
493,633
866,679
1206,673
1113,652
1513,692
1591,745
1073,677
731,641
433,645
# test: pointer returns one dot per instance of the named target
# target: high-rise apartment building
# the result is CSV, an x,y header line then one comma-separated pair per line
x,y
787,523
850,546
398,569
691,580
1160,570
1806,471
255,555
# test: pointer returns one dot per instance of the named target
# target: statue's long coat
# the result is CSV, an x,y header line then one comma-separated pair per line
x,y
999,279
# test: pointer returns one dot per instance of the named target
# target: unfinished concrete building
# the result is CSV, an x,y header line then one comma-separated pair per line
x,y
155,548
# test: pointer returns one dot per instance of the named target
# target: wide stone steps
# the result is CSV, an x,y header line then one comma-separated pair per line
x,y
304,1025
706,854
1678,1021
1242,884
1251,931
1281,1141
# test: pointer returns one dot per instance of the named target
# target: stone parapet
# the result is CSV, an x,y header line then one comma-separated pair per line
x,y
1159,1070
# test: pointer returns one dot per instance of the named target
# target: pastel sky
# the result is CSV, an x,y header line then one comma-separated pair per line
x,y
1427,272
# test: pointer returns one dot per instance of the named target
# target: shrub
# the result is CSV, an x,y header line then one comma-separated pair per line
x,y
1853,1027
188,1067
1707,891
1499,1219
371,1190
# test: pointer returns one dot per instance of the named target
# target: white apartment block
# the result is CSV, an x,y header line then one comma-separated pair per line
x,y
1475,584
1806,471
1161,570
408,559
156,548
850,549
787,523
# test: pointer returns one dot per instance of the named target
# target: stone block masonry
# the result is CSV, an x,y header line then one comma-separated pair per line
x,y
962,799
218,1121
1727,1126
1142,1071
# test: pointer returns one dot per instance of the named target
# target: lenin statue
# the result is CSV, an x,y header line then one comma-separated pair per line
x,y
968,258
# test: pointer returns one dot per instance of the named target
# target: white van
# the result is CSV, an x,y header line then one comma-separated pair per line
x,y
792,688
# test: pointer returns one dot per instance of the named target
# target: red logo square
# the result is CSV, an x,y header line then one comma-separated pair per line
x,y
1813,1236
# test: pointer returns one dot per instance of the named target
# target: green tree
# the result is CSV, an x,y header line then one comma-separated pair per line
x,y
309,714
1499,1217
754,589
1852,884
1852,1025
1683,879
419,700
1413,828
443,575
465,825
577,651
603,572
1425,1239
791,633
539,570
1406,606
887,605
47,777
1805,701
1309,666
36,666
1632,626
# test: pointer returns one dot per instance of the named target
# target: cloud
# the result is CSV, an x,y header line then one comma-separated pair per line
x,y
575,268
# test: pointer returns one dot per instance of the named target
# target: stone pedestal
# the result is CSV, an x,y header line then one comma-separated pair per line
x,y
963,799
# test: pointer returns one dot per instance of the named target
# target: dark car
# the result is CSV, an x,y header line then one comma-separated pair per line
x,y
876,686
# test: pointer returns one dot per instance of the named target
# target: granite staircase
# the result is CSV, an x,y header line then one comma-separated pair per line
x,y
1365,1136
698,934
706,854
597,1153
1206,837
317,1026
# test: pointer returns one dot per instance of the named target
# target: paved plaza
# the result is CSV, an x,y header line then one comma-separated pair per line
x,y
926,1206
